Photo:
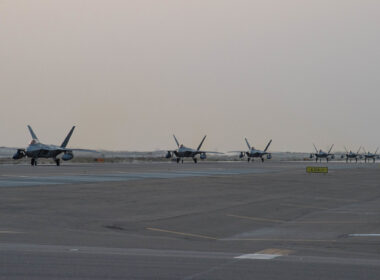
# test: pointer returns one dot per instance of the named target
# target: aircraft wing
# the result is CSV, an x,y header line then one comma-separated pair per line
x,y
237,151
85,150
208,152
62,150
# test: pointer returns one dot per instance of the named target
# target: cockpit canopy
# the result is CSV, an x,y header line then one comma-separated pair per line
x,y
33,142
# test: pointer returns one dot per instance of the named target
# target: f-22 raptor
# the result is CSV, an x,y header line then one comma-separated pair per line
x,y
373,156
37,150
254,153
183,152
350,155
321,154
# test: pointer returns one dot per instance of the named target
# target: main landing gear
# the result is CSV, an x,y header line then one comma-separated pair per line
x,y
195,160
33,162
58,162
262,159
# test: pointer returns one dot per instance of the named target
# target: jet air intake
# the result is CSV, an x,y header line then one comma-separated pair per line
x,y
168,155
19,154
203,156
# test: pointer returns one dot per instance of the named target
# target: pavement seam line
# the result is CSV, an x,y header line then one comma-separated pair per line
x,y
182,233
304,206
256,219
279,240
297,222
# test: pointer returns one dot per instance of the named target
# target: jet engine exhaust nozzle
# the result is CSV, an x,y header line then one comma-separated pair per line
x,y
67,156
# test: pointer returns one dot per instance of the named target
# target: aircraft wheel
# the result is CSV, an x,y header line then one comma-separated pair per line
x,y
249,159
178,159
182,161
32,162
262,159
195,160
58,162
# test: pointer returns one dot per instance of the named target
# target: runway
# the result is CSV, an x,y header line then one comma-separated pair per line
x,y
32,180
223,220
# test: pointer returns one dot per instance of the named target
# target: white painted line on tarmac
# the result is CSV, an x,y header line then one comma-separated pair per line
x,y
258,256
364,235
267,254
9,232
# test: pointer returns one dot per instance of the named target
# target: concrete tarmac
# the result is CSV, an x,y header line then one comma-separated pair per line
x,y
212,220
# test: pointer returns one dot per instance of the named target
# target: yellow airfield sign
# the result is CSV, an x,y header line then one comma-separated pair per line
x,y
317,169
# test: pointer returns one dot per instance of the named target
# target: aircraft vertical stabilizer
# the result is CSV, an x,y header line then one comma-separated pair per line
x,y
67,139
34,136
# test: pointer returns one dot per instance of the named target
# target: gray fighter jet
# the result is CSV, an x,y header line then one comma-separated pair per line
x,y
254,153
373,156
352,155
184,152
321,154
37,150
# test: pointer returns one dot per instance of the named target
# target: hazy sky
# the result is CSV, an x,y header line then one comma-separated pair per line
x,y
128,74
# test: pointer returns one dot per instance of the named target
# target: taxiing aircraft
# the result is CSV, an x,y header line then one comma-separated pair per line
x,y
37,150
184,152
254,153
321,154
351,155
373,156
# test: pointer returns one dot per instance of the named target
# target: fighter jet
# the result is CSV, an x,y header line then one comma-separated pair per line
x,y
253,153
183,152
351,155
37,150
321,154
373,156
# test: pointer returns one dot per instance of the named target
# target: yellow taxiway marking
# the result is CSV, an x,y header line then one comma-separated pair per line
x,y
183,233
256,219
296,222
304,206
282,252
